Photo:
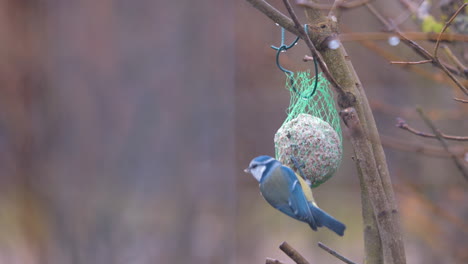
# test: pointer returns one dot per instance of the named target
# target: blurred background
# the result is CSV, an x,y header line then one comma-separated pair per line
x,y
125,127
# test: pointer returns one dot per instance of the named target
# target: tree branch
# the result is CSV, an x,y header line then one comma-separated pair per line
x,y
381,205
447,24
420,50
463,169
401,123
334,253
275,15
341,4
448,37
460,100
380,245
411,62
455,60
409,112
391,57
292,253
424,149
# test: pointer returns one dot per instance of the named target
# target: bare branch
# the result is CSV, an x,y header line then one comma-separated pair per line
x,y
409,112
380,17
410,62
425,54
401,123
420,50
334,7
307,58
415,46
460,100
392,57
292,253
446,26
334,253
463,169
451,76
424,149
340,4
462,68
448,37
382,207
275,15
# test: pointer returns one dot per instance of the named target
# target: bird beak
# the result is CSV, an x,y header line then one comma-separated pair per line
x,y
247,170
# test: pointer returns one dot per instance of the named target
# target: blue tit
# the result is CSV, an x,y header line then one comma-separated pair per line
x,y
289,193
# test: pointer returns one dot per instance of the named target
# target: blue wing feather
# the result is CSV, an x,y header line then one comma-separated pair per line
x,y
297,201
284,192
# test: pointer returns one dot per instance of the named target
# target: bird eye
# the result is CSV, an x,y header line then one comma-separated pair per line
x,y
254,166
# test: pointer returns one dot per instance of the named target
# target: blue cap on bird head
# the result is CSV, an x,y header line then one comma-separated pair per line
x,y
262,159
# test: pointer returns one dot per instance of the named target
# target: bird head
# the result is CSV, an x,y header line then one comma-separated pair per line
x,y
258,166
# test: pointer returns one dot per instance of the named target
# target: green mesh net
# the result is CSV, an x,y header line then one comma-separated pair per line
x,y
310,137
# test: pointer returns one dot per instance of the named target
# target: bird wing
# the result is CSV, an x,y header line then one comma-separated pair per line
x,y
297,202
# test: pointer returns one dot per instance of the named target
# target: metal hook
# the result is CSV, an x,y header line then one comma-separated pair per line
x,y
282,42
306,29
281,48
284,47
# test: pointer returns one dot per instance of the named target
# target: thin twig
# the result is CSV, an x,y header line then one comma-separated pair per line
x,y
275,15
334,6
410,62
383,52
412,6
460,100
463,169
461,67
307,58
382,208
379,16
403,16
401,123
334,253
429,36
415,46
424,149
449,71
292,253
273,261
410,113
451,76
341,4
447,24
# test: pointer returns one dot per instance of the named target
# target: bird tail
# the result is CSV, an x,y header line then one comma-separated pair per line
x,y
324,219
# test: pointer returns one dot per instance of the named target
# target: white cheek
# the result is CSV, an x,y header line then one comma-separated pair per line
x,y
258,172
